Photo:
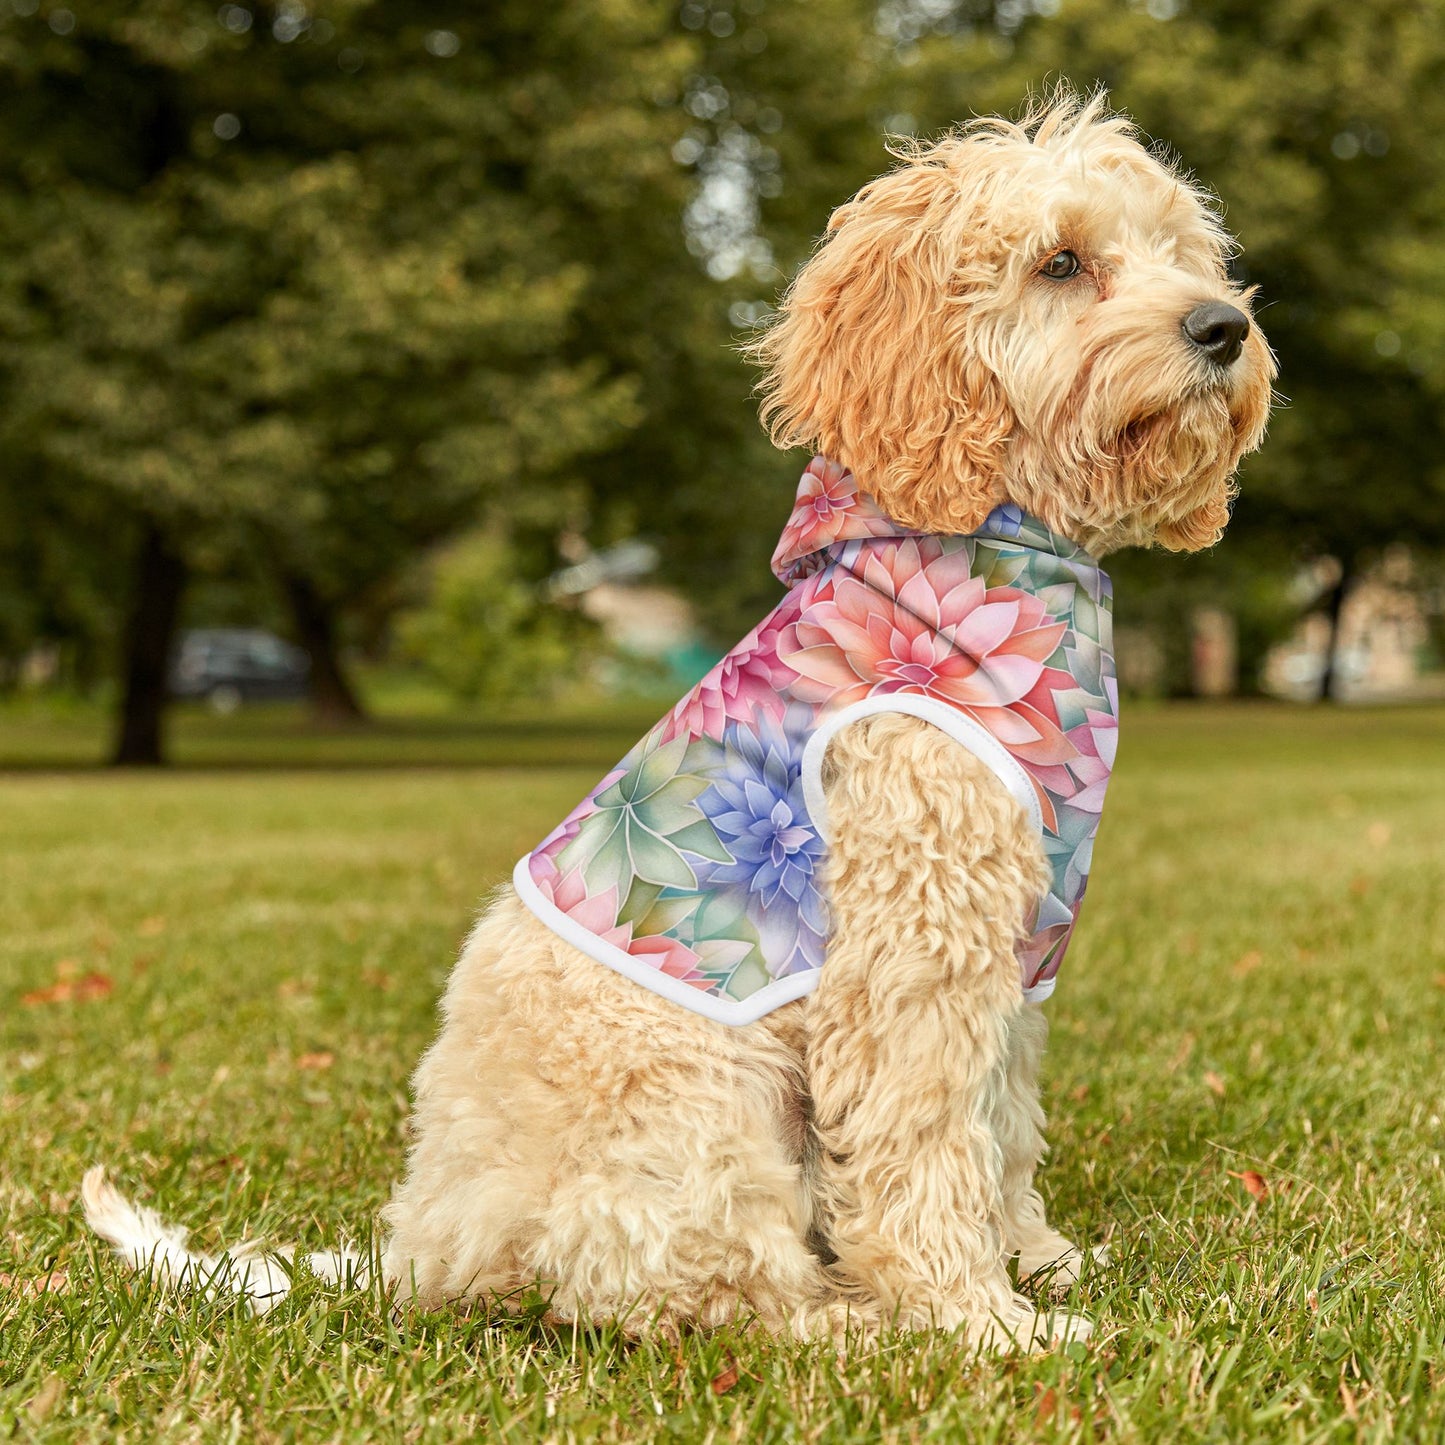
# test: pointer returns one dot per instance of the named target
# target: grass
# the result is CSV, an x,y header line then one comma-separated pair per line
x,y
231,972
408,728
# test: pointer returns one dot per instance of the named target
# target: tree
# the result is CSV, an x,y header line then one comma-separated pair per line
x,y
763,151
325,287
297,284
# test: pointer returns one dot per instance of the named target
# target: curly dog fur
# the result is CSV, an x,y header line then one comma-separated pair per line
x,y
865,1156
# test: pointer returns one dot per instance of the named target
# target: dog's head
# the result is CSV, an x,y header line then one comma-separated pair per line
x,y
1036,312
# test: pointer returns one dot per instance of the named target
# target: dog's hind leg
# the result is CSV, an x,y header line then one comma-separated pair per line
x,y
578,1135
681,1200
909,1029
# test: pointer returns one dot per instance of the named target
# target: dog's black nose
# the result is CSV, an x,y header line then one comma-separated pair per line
x,y
1218,330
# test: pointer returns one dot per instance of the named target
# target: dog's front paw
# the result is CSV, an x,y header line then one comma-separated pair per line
x,y
1061,1327
1058,1270
1023,1326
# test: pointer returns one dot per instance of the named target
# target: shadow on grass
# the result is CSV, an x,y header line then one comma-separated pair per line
x,y
285,738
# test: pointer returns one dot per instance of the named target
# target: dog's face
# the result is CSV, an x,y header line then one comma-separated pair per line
x,y
1037,313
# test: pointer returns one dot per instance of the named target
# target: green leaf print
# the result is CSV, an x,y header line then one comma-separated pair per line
x,y
642,824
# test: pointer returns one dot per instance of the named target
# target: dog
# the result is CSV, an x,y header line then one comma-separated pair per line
x,y
818,1110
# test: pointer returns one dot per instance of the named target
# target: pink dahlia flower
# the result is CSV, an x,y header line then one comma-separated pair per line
x,y
1041,952
748,682
598,915
670,956
829,504
983,649
1096,739
1040,956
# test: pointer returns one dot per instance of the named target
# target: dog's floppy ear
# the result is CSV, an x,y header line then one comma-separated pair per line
x,y
872,358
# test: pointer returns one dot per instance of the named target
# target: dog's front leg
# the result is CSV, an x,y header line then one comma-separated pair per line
x,y
933,869
1043,1253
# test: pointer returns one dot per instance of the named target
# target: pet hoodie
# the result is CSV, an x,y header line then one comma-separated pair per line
x,y
695,866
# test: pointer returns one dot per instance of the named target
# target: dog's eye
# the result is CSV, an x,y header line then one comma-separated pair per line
x,y
1060,266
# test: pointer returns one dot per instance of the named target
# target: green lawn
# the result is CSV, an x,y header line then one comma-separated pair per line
x,y
39,736
252,958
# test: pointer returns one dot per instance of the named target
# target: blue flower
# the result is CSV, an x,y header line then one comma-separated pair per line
x,y
756,806
1006,518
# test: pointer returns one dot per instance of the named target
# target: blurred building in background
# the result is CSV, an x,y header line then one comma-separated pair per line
x,y
1383,647
641,621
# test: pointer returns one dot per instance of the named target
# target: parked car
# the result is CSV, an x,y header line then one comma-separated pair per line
x,y
228,666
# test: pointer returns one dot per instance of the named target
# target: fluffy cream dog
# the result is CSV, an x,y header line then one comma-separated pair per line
x,y
1036,313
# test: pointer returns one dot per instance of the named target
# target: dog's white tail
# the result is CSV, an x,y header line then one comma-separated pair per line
x,y
147,1243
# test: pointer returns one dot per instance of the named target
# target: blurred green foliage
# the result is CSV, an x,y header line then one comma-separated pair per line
x,y
308,289
314,298
484,634
318,287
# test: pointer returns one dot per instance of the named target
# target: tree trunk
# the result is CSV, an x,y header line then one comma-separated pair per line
x,y
333,699
160,578
1329,676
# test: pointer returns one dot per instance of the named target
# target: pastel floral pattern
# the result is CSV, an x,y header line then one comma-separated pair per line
x,y
696,859
599,914
756,805
750,681
640,828
829,508
985,650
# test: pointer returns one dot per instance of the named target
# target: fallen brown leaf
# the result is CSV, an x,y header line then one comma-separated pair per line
x,y
66,990
1181,1054
1046,1407
1440,980
1360,885
1079,1094
56,1282
723,1382
1347,1399
56,993
1248,962
1255,1184
322,1059
377,978
1214,1083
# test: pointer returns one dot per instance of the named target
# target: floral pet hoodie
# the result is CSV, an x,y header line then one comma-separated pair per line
x,y
695,867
